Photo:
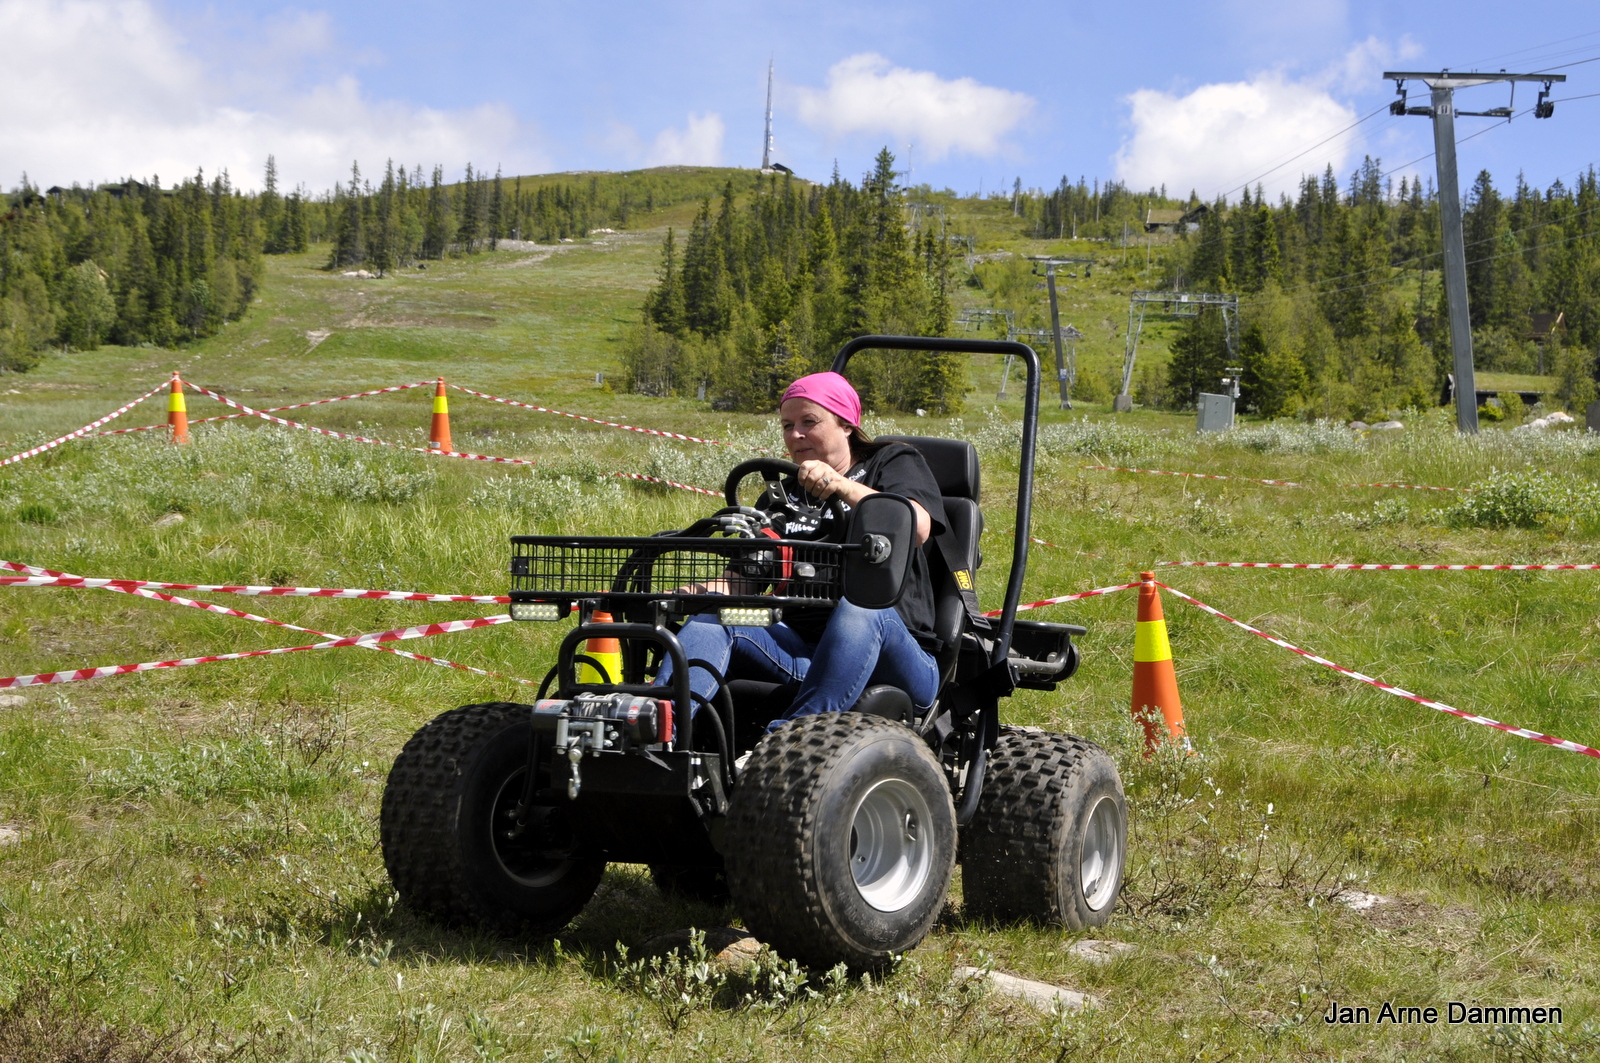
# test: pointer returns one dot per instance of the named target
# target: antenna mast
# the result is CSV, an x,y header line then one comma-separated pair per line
x,y
766,144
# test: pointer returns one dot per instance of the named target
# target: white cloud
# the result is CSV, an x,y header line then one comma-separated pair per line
x,y
868,96
1219,136
699,143
101,89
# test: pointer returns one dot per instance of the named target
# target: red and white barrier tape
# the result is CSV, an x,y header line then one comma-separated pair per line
x,y
126,587
591,420
1520,732
345,435
114,414
669,483
1407,487
1067,598
14,566
1199,475
446,627
276,409
1378,568
39,580
371,641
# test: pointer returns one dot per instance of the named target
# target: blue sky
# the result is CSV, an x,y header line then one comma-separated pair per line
x,y
1190,96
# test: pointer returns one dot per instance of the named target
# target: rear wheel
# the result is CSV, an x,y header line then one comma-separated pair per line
x,y
450,837
840,840
1050,838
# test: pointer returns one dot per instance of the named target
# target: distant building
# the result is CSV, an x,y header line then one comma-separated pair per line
x,y
1542,328
1174,221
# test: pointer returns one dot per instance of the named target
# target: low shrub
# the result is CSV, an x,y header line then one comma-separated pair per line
x,y
1530,498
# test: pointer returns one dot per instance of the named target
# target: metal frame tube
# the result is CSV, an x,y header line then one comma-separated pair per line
x,y
1025,472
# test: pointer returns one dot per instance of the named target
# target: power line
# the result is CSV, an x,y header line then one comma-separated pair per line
x,y
1535,48
1415,263
1563,66
1308,151
1395,280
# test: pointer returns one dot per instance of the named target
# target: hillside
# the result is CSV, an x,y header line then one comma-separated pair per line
x,y
193,853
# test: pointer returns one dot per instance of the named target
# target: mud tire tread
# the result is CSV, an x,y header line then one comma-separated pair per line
x,y
772,831
418,825
1011,866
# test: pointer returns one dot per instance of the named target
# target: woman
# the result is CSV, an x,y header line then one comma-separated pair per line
x,y
834,654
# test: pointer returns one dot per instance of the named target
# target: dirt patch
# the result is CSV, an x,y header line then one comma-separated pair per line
x,y
1406,913
465,321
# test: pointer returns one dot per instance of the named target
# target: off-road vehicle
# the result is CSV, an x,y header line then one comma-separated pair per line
x,y
835,836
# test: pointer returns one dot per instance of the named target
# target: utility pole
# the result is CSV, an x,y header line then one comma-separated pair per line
x,y
1443,112
1063,376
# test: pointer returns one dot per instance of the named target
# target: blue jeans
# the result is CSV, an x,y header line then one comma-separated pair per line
x,y
858,647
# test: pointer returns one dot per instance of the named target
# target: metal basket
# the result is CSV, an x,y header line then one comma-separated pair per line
x,y
546,567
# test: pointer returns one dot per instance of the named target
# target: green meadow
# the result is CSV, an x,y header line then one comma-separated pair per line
x,y
189,863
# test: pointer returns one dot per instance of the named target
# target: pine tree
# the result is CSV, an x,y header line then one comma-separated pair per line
x,y
270,209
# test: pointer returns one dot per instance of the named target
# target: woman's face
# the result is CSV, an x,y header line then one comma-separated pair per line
x,y
811,433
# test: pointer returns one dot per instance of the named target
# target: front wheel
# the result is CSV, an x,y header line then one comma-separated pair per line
x,y
449,828
1050,838
840,840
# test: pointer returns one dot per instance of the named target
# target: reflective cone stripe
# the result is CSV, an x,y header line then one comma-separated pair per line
x,y
439,432
177,412
1155,680
606,652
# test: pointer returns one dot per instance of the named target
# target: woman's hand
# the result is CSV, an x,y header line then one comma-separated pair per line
x,y
822,480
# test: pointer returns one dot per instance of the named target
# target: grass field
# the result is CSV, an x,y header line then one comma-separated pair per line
x,y
195,865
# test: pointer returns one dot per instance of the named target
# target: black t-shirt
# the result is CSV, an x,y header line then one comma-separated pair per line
x,y
898,469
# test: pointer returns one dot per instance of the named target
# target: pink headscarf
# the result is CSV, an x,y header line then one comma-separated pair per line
x,y
830,391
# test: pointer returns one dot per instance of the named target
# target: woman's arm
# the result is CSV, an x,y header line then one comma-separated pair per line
x,y
824,481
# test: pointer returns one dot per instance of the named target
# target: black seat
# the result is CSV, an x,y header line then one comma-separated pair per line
x,y
954,464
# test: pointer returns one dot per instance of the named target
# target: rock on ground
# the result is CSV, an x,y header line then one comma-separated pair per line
x,y
1359,901
1094,951
728,945
1041,995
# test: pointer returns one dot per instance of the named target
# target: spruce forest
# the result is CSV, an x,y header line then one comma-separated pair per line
x,y
1342,306
1342,301
766,292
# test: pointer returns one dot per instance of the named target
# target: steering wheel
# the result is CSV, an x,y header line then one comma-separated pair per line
x,y
773,470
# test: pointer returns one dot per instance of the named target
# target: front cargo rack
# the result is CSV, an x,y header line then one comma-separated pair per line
x,y
567,568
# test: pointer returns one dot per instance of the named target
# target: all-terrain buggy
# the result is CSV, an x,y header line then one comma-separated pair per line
x,y
836,835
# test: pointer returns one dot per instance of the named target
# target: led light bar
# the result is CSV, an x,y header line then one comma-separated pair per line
x,y
537,611
748,616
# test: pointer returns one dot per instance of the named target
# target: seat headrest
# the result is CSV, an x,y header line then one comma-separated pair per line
x,y
953,462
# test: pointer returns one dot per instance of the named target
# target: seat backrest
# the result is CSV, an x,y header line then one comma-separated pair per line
x,y
954,464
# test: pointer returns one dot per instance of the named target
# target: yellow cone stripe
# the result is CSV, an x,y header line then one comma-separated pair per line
x,y
1150,641
441,404
175,403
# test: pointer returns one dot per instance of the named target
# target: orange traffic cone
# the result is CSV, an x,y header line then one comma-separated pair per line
x,y
606,652
177,412
439,433
1155,681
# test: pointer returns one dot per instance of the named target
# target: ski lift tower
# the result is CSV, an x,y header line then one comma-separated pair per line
x,y
1442,86
1173,305
982,319
1064,377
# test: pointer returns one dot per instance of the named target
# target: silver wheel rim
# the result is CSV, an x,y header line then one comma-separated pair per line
x,y
1100,859
891,850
